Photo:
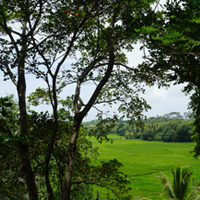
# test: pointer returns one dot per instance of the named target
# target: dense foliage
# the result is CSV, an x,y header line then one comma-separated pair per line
x,y
66,43
172,40
41,37
174,130
168,128
87,173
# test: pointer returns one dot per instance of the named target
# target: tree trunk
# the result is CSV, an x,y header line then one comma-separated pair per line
x,y
71,157
23,147
47,180
49,153
28,172
54,103
79,115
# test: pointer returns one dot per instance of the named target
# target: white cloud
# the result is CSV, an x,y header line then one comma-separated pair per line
x,y
165,101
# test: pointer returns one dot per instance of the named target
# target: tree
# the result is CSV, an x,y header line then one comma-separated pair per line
x,y
40,37
122,128
184,132
10,184
172,40
15,52
101,60
87,171
172,115
167,129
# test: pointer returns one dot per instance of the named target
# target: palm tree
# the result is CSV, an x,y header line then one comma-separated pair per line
x,y
179,188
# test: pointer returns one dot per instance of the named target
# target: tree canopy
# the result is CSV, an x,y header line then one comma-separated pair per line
x,y
77,43
69,43
173,46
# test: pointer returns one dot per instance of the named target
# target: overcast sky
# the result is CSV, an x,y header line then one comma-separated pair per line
x,y
161,100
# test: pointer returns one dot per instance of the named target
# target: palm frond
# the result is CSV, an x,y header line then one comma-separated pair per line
x,y
167,187
181,182
179,188
195,195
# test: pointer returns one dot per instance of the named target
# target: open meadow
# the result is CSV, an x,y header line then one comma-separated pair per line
x,y
143,161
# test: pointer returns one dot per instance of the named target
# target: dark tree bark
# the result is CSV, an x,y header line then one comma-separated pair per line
x,y
23,147
28,172
50,147
71,157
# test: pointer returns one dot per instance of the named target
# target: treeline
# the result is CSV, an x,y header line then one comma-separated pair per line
x,y
172,127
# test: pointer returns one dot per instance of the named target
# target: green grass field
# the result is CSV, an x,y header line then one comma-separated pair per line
x,y
143,161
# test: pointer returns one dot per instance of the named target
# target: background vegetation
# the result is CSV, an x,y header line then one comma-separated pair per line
x,y
172,127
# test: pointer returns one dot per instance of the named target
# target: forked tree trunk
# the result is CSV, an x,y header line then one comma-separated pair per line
x,y
79,115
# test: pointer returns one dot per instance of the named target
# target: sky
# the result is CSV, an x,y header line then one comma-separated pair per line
x,y
165,100
162,101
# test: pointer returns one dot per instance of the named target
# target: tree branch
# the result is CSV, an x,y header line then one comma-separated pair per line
x,y
11,75
7,30
105,78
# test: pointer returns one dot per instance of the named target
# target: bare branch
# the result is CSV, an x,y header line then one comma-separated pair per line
x,y
157,3
7,30
125,66
97,109
108,101
91,67
11,75
76,34
74,37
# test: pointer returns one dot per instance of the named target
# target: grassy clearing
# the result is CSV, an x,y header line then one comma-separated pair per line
x,y
143,161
